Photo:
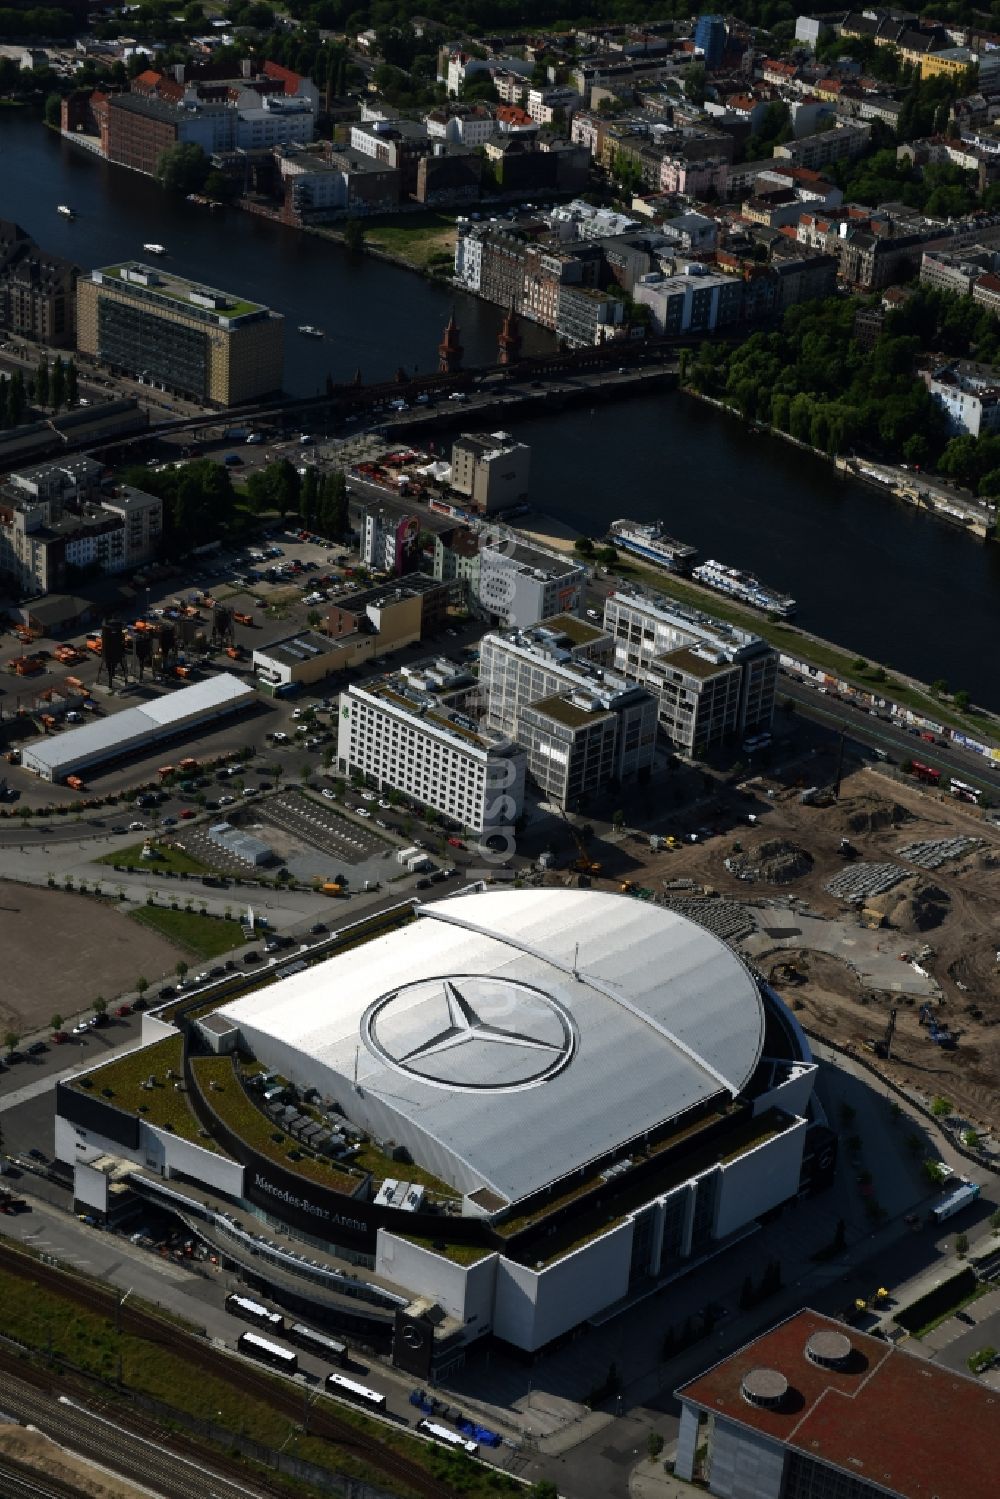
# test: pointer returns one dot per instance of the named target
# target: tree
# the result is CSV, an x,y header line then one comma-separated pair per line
x,y
584,546
618,819
654,1445
543,1489
53,110
10,1040
607,556
57,385
56,1022
941,1107
181,969
141,985
961,1243
182,168
961,700
314,619
42,382
218,186
939,687
100,1005
695,82
72,391
354,236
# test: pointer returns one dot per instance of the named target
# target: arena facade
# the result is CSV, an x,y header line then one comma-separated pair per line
x,y
591,1093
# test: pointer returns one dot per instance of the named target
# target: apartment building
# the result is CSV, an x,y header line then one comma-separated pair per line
x,y
37,290
697,301
401,735
58,522
211,346
390,543
714,682
818,151
582,725
491,469
519,584
970,401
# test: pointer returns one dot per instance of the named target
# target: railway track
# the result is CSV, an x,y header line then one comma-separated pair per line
x,y
20,1482
160,1460
323,1422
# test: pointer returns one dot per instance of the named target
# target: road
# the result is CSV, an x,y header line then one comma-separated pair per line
x,y
877,732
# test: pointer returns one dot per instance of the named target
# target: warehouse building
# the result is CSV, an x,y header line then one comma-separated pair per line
x,y
491,469
134,730
195,341
403,738
304,658
599,1093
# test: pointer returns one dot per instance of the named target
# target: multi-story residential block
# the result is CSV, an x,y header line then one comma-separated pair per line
x,y
694,179
519,584
583,726
469,255
969,398
818,151
401,736
587,316
57,523
462,124
691,302
37,290
491,469
986,292
337,182
714,682
456,558
398,144
959,272
390,543
548,106
196,341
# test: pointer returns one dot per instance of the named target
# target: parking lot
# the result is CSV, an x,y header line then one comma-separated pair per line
x,y
310,825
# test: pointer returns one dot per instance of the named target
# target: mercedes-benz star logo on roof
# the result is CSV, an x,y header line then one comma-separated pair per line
x,y
471,1032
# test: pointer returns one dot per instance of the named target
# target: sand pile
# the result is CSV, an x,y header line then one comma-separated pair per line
x,y
922,909
871,814
774,862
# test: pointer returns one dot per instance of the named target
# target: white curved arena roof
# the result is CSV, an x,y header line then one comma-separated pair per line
x,y
511,1037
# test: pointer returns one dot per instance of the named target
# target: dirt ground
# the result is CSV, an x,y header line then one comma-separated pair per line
x,y
39,1453
947,919
52,940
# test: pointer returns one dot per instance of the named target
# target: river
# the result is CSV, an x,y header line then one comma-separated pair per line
x,y
376,316
870,573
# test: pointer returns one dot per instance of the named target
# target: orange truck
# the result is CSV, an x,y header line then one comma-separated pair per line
x,y
187,765
241,618
165,771
94,644
76,783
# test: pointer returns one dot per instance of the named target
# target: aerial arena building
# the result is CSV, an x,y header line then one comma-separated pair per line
x,y
512,1111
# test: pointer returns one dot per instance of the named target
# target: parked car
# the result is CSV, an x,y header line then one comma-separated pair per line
x,y
331,796
36,1048
123,1010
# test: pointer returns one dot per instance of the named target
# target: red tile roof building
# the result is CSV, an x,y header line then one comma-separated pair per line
x,y
817,1410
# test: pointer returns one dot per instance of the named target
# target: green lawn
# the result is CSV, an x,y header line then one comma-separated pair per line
x,y
170,857
415,238
224,1094
204,936
163,1104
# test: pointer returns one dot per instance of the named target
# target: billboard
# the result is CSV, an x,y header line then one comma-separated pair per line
x,y
407,545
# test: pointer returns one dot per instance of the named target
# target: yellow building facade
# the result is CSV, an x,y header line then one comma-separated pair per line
x,y
207,345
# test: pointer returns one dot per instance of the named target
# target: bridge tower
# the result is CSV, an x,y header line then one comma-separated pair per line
x,y
450,350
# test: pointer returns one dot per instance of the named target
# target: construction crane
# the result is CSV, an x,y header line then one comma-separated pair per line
x,y
883,1046
583,863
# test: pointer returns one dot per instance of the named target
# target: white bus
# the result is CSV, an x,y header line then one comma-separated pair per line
x,y
349,1389
252,1311
268,1353
332,1349
449,1438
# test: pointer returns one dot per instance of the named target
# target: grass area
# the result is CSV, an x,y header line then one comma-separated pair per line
x,y
223,1093
963,1301
370,1158
204,936
121,1081
415,238
459,1254
174,289
170,857
818,653
44,1320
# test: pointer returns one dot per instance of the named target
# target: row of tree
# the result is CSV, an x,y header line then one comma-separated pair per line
x,y
198,501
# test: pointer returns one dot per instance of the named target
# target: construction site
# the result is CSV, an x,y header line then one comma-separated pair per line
x,y
875,913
